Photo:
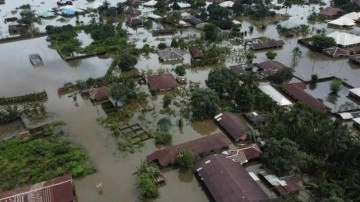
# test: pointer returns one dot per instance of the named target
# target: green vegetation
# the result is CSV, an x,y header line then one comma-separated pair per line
x,y
213,55
64,39
281,76
347,6
31,97
210,33
185,159
222,80
315,17
145,180
40,158
271,55
301,30
320,42
9,114
204,103
124,90
167,99
335,85
162,46
180,70
163,138
127,62
164,125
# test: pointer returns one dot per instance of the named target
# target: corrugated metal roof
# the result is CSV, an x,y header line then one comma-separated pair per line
x,y
162,81
228,181
167,156
55,190
275,95
355,91
233,125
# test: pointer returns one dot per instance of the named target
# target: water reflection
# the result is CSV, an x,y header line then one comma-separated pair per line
x,y
204,127
186,176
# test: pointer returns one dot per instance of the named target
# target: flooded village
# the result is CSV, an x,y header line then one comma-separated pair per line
x,y
194,100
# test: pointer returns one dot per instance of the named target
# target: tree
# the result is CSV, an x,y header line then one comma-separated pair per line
x,y
321,42
218,13
335,85
146,185
174,43
162,46
167,101
210,32
120,8
204,103
127,62
164,138
271,55
281,76
164,125
281,156
180,70
185,159
296,53
223,81
176,6
123,91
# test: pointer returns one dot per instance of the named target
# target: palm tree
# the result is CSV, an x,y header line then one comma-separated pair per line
x,y
296,53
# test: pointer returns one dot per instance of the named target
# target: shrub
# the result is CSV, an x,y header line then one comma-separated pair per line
x,y
163,138
185,159
147,186
162,46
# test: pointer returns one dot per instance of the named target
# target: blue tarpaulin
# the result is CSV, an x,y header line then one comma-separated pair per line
x,y
68,12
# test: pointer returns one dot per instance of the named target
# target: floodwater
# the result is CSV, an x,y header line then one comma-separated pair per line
x,y
114,168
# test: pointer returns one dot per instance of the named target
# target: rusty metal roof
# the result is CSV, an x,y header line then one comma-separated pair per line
x,y
234,126
167,156
55,190
162,81
228,181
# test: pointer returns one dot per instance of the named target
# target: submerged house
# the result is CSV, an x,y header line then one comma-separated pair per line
x,y
275,95
245,154
59,189
355,94
330,12
227,180
98,94
170,54
344,39
161,82
132,12
269,68
271,43
18,29
196,53
134,23
233,125
166,157
297,92
336,52
355,59
282,186
162,32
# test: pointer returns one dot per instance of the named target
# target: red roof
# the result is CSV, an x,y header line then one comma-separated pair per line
x,y
228,181
295,92
162,81
270,67
290,187
167,156
56,190
245,154
330,11
98,94
234,126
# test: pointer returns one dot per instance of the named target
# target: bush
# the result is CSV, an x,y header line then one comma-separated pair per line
x,y
163,138
164,125
271,55
185,159
146,186
180,70
162,46
167,101
335,85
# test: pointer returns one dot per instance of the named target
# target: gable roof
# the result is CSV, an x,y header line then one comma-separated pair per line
x,y
271,43
98,94
270,67
274,94
167,156
342,21
132,11
336,52
228,181
294,91
344,39
171,54
234,126
330,11
243,155
55,190
162,81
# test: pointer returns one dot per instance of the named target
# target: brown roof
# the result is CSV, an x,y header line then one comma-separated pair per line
x,y
162,81
267,44
132,11
134,22
355,58
243,155
192,20
336,52
55,190
329,11
98,94
298,94
290,187
159,32
234,126
196,53
167,156
228,181
270,67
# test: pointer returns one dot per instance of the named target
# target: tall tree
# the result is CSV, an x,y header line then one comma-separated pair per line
x,y
223,81
204,103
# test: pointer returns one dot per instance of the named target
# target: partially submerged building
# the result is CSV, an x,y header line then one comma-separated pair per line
x,y
275,95
282,186
245,154
162,32
161,82
235,127
355,94
60,189
98,94
271,43
254,118
132,11
196,53
269,68
330,12
336,52
171,54
227,180
193,21
166,157
134,22
297,92
18,29
344,39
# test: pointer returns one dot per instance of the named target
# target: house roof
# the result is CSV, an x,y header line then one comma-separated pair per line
x,y
239,68
254,118
167,156
158,32
192,20
270,67
330,11
283,186
336,52
274,94
134,22
162,81
55,190
98,94
150,3
227,4
353,15
245,154
355,91
132,11
342,21
196,53
234,126
228,181
267,44
355,58
171,54
295,92
344,39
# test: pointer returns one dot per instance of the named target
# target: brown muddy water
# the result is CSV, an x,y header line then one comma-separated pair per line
x,y
114,168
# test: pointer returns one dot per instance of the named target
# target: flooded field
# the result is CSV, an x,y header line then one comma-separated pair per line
x,y
114,168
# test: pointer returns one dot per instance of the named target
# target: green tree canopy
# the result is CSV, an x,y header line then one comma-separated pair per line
x,y
180,70
164,125
204,103
127,62
146,186
282,76
271,55
222,80
185,159
321,42
335,85
124,91
210,32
